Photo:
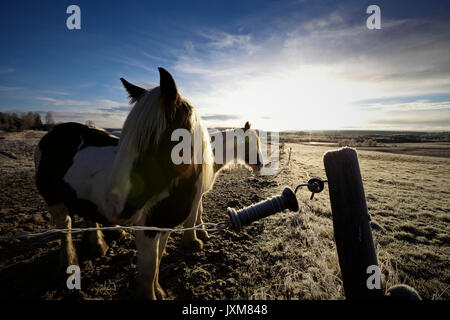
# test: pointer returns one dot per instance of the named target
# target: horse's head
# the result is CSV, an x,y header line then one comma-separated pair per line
x,y
252,146
143,167
157,112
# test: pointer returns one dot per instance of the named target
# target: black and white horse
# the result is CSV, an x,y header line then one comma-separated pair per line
x,y
132,180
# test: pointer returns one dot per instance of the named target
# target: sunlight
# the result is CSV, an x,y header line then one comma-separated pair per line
x,y
304,98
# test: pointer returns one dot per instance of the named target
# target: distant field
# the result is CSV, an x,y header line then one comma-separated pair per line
x,y
412,143
432,149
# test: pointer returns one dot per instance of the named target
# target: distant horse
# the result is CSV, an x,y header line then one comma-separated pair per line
x,y
228,145
132,180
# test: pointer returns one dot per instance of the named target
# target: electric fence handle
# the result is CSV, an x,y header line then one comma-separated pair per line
x,y
260,210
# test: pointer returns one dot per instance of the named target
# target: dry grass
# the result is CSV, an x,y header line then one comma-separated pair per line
x,y
407,198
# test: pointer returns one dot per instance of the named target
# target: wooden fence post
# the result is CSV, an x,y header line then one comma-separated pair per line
x,y
351,223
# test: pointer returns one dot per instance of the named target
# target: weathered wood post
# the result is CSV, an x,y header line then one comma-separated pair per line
x,y
352,231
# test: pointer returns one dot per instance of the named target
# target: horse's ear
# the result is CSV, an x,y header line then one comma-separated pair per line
x,y
247,126
167,85
134,92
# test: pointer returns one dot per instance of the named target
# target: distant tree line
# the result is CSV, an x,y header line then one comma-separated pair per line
x,y
25,121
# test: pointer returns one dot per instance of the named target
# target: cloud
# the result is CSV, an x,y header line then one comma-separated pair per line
x,y
64,102
420,105
333,19
134,62
111,103
221,117
87,85
316,71
7,70
61,93
9,88
104,112
116,109
154,57
221,40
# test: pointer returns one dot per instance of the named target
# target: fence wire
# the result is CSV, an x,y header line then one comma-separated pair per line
x,y
207,226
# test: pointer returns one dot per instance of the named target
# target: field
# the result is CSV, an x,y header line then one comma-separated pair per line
x,y
286,256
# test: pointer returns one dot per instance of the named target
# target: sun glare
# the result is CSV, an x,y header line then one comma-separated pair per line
x,y
300,99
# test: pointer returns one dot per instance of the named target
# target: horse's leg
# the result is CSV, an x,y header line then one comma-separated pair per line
x,y
148,261
160,294
201,234
117,234
190,239
62,220
96,239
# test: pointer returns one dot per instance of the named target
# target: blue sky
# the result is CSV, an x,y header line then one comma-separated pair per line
x,y
280,64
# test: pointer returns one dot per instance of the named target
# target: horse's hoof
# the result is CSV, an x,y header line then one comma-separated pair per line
x,y
202,235
194,245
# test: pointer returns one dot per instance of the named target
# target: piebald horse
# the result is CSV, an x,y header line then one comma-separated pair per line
x,y
132,180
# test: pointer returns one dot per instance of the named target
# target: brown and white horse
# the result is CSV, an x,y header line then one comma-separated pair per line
x,y
233,146
132,180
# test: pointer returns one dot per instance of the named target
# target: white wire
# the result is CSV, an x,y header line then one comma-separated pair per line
x,y
129,228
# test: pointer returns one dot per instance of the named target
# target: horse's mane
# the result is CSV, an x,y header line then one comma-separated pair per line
x,y
208,175
145,122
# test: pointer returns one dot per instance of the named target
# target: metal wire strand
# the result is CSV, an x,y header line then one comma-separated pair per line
x,y
210,227
207,226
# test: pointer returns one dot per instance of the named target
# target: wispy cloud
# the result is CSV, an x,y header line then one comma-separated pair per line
x,y
87,85
106,119
7,70
418,105
221,117
104,112
110,103
154,57
61,93
63,102
9,88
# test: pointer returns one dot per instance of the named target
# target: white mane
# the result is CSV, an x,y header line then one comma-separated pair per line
x,y
208,175
144,122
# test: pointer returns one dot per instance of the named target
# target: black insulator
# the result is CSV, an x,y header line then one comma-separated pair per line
x,y
245,216
316,185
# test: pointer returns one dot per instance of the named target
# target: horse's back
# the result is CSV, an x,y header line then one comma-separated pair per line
x,y
72,136
55,154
